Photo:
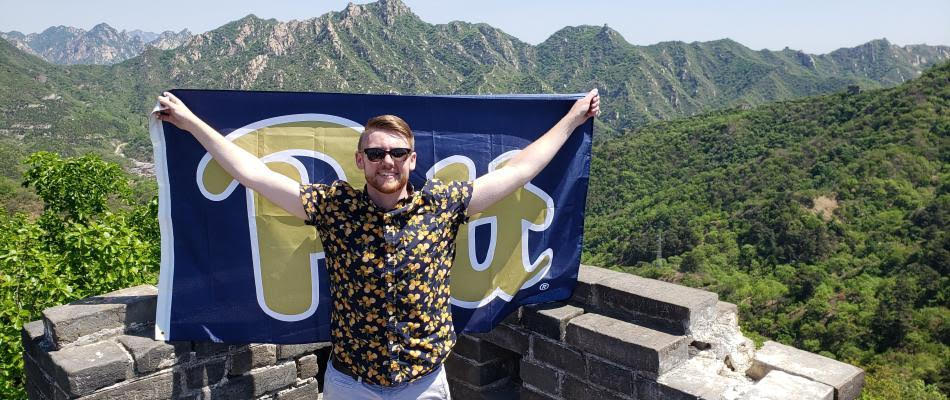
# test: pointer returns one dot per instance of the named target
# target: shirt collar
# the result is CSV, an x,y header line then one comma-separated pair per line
x,y
406,204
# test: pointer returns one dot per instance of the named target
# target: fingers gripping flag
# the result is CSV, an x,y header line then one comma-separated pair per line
x,y
237,268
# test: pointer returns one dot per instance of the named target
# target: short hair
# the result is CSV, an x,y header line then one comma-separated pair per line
x,y
390,123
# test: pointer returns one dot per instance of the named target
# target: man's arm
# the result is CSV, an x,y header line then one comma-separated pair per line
x,y
492,187
249,170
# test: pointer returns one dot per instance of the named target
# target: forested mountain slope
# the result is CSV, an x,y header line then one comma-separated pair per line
x,y
383,47
824,219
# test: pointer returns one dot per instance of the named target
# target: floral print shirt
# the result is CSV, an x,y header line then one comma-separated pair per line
x,y
390,322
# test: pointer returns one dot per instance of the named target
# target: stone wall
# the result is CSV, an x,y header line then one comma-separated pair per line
x,y
619,337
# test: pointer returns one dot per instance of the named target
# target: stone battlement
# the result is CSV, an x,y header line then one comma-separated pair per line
x,y
619,337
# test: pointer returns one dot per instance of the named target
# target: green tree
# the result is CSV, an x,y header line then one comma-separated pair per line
x,y
89,240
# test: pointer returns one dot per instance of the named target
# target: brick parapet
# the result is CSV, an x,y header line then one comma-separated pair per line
x,y
618,337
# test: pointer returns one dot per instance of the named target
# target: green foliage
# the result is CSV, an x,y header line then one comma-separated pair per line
x,y
823,219
75,189
85,243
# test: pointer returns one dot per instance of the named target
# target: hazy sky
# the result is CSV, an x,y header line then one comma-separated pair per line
x,y
813,26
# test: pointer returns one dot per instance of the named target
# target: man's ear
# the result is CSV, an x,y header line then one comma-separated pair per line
x,y
359,159
412,161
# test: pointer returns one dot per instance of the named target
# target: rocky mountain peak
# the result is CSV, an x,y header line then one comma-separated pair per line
x,y
390,10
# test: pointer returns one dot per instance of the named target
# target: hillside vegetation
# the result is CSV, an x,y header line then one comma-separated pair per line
x,y
824,219
383,47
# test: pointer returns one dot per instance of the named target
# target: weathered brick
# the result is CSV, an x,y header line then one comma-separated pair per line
x,y
307,391
479,349
81,370
258,382
558,355
122,310
639,348
286,351
723,307
209,349
611,376
32,337
478,374
528,393
307,366
845,378
514,317
508,337
248,357
585,293
779,385
502,390
656,304
698,379
38,383
573,388
649,389
153,387
549,319
151,355
204,374
541,378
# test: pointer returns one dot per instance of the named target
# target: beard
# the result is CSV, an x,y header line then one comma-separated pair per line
x,y
388,186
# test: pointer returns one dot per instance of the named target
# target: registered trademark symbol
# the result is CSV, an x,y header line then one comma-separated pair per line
x,y
544,286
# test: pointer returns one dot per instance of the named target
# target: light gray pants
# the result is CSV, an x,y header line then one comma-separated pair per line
x,y
339,386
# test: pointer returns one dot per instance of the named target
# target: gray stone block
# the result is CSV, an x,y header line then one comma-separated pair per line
x,y
549,319
38,383
649,389
656,304
308,366
246,358
540,378
558,355
695,382
528,393
32,336
611,376
207,373
210,349
507,336
478,374
845,378
287,351
119,311
151,355
157,386
585,293
723,307
633,346
778,385
258,382
307,391
513,318
573,388
81,370
502,390
479,349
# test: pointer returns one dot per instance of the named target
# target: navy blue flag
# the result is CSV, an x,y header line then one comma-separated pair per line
x,y
236,268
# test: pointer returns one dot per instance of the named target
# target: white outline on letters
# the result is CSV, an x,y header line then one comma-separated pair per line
x,y
284,156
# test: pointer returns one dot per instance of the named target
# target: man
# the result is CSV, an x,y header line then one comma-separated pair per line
x,y
389,246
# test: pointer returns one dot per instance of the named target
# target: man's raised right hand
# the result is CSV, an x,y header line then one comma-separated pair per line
x,y
172,110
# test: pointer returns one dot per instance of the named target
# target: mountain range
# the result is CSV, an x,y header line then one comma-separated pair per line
x,y
383,47
102,44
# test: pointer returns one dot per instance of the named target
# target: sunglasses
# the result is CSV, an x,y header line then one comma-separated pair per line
x,y
375,154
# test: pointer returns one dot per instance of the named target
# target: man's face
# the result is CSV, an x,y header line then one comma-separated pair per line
x,y
386,175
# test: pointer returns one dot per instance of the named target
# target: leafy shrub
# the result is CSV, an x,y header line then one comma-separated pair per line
x,y
89,240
